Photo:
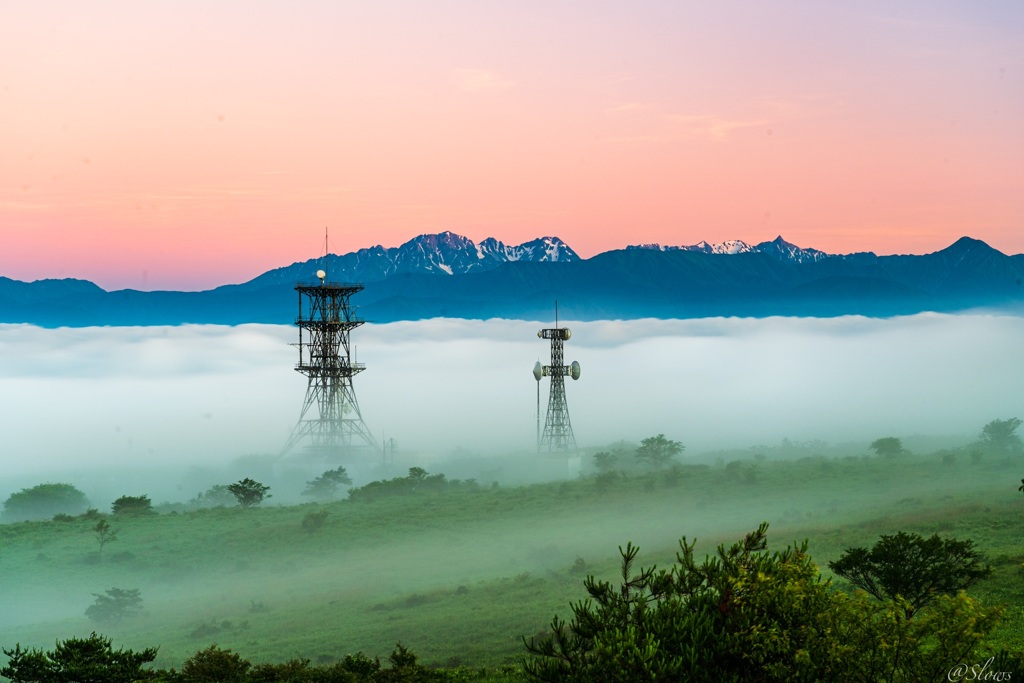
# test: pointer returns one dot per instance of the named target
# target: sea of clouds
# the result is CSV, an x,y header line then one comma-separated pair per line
x,y
190,395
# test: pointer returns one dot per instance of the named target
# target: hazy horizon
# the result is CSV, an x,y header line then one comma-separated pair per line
x,y
337,253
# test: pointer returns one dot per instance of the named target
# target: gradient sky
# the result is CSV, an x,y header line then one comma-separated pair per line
x,y
184,145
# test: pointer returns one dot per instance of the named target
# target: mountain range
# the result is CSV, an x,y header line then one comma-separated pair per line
x,y
448,275
443,253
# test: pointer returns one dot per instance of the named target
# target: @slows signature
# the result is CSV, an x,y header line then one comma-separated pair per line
x,y
977,672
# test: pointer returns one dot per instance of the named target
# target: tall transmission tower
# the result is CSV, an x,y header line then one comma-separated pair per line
x,y
557,435
325,320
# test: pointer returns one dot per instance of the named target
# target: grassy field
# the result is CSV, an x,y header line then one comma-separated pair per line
x,y
461,576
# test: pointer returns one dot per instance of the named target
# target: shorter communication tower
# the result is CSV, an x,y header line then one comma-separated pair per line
x,y
325,320
557,435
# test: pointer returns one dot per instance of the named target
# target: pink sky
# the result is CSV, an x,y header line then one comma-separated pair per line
x,y
191,144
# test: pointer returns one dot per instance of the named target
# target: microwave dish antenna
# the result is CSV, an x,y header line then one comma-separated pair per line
x,y
557,434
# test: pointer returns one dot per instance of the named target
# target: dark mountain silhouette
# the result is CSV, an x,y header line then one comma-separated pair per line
x,y
449,276
444,254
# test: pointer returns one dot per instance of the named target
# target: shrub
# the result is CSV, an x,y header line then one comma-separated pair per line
x,y
298,670
359,664
215,496
402,657
1000,435
314,520
90,659
43,502
674,476
912,567
327,485
657,451
115,605
418,481
605,461
747,614
214,665
249,492
606,480
132,505
104,534
888,447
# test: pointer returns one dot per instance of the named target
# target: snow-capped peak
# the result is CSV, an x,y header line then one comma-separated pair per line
x,y
779,248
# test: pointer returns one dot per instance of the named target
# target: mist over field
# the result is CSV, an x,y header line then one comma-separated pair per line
x,y
466,570
174,398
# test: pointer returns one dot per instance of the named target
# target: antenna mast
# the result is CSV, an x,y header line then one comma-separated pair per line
x,y
325,357
557,426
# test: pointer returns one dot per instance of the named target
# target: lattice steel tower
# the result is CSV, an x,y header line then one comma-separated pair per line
x,y
557,434
325,320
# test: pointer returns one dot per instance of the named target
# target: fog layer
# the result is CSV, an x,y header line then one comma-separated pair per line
x,y
178,396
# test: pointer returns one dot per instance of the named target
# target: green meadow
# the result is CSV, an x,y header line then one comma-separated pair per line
x,y
462,573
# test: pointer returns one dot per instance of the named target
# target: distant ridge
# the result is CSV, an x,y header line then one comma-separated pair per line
x,y
442,253
778,248
448,275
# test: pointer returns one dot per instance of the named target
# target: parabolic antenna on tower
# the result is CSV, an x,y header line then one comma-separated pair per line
x,y
557,427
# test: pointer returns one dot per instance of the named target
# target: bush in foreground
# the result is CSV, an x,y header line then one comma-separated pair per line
x,y
78,660
914,568
93,660
745,614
